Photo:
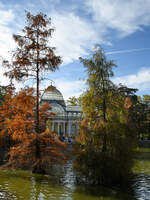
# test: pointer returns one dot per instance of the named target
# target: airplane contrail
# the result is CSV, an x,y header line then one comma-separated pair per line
x,y
126,51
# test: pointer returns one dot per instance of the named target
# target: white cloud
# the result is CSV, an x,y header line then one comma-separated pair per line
x,y
140,80
68,88
45,4
6,41
127,51
6,16
126,16
3,80
73,36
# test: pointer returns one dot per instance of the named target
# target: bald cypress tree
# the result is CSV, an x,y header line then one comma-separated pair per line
x,y
33,56
31,59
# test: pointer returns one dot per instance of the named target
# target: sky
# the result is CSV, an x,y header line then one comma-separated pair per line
x,y
120,27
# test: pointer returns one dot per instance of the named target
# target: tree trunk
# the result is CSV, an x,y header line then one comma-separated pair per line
x,y
37,102
37,84
37,166
104,149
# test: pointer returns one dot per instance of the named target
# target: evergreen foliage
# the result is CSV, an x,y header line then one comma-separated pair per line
x,y
105,145
73,101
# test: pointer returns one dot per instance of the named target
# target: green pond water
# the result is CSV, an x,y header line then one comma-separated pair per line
x,y
20,185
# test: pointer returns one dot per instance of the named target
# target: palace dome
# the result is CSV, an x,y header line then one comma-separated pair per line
x,y
51,94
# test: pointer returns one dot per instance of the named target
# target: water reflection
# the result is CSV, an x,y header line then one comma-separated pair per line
x,y
35,187
141,186
21,185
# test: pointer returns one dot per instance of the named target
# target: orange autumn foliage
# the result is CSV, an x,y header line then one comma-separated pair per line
x,y
16,114
17,121
33,55
128,103
23,155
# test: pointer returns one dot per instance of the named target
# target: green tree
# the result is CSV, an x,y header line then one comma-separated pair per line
x,y
146,111
97,97
146,98
73,101
105,145
142,114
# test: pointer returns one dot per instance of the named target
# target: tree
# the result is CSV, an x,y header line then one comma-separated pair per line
x,y
145,103
73,101
142,117
33,56
17,124
17,114
105,145
99,72
146,98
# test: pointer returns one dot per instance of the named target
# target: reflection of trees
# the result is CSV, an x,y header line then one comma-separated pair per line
x,y
47,187
97,192
36,189
21,185
16,185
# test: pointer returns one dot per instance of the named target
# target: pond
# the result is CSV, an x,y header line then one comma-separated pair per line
x,y
22,185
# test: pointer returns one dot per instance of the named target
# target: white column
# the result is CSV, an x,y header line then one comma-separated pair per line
x,y
58,128
69,128
64,129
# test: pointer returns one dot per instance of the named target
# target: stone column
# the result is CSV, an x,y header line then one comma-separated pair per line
x,y
69,129
64,128
58,128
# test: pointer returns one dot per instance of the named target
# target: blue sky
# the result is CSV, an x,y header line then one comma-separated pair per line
x,y
121,27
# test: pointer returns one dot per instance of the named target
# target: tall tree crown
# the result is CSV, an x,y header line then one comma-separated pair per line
x,y
33,53
99,70
33,56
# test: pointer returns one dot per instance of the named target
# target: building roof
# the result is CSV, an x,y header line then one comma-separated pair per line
x,y
57,103
51,93
74,108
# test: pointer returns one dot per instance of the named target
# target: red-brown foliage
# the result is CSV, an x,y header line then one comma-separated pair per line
x,y
27,148
16,114
51,151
